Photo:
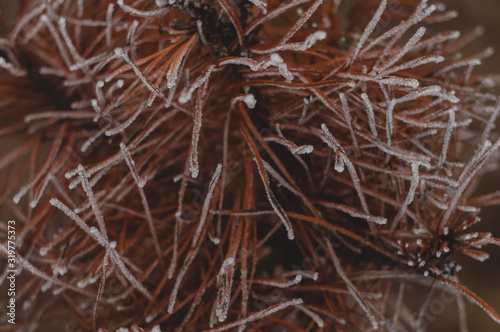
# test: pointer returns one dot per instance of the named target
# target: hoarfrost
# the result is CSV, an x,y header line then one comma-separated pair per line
x,y
206,204
368,30
371,116
277,61
350,286
140,13
225,282
274,202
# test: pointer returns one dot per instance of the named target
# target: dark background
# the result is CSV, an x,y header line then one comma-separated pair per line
x,y
482,278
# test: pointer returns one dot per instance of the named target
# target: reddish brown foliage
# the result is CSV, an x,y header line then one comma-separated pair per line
x,y
240,164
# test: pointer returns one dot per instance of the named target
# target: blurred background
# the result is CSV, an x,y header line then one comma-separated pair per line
x,y
481,278
485,13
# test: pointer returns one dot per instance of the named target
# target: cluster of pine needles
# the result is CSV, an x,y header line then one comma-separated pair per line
x,y
196,165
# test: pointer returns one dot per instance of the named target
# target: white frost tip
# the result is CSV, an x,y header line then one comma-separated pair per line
x,y
46,286
414,84
112,244
119,51
318,35
95,105
339,163
303,149
34,203
250,101
171,82
184,97
260,4
194,172
163,3
276,59
17,198
229,261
